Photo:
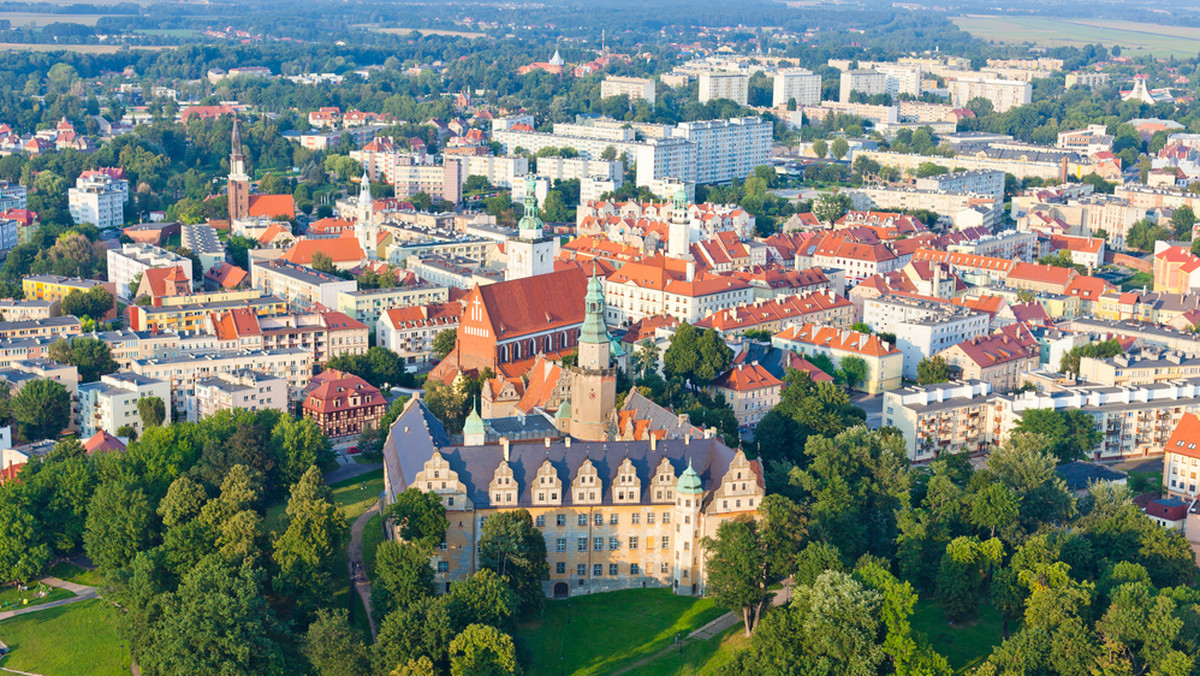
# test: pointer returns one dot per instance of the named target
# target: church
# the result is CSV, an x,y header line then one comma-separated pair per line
x,y
242,204
615,514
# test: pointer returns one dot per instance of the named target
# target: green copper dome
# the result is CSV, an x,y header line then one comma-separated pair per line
x,y
473,423
530,220
689,482
564,411
594,330
680,198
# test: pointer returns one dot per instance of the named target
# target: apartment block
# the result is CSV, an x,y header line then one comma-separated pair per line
x,y
409,332
502,172
980,181
19,310
55,288
799,85
299,286
940,419
131,260
579,168
732,86
1140,367
366,305
885,363
1004,94
51,327
242,390
865,82
728,149
923,327
189,314
99,198
293,365
111,403
201,239
636,88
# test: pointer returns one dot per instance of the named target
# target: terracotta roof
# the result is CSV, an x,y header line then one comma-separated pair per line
x,y
1008,344
340,321
543,377
332,391
1088,288
423,315
339,250
226,275
272,232
270,206
746,377
235,323
157,279
10,473
838,339
989,304
1045,274
330,226
644,328
747,316
534,304
1185,440
963,260
101,442
1080,244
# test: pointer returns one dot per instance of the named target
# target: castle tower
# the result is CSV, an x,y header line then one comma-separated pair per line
x,y
474,433
364,225
679,238
689,493
531,253
593,381
239,180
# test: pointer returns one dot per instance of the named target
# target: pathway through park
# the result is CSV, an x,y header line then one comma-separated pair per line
x,y
82,593
355,555
708,631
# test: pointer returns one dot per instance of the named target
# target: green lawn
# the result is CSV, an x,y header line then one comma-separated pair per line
x,y
372,538
966,644
1145,482
1137,281
699,657
596,634
354,496
65,570
79,639
12,598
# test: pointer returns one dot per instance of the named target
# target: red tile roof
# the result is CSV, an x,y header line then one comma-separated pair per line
x,y
838,339
535,304
10,473
339,250
423,315
235,323
1043,274
1185,440
271,206
747,316
746,377
226,275
332,391
644,328
1008,344
102,442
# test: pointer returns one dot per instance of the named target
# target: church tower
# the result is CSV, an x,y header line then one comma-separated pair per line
x,y
364,224
531,253
593,380
239,180
679,237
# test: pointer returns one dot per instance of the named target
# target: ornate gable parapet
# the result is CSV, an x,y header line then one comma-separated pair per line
x,y
587,488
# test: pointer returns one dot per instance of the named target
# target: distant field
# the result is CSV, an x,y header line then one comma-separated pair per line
x,y
85,49
1133,38
23,19
422,31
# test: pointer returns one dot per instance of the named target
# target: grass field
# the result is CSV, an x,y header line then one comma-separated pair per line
x,y
423,31
82,49
372,538
25,19
1134,38
966,644
620,627
700,657
11,598
1137,281
70,572
79,639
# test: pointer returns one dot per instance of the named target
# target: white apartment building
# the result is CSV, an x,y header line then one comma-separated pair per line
x,y
579,168
732,86
866,82
12,196
1004,94
300,286
293,365
726,149
943,418
900,78
201,239
242,389
980,181
636,88
10,234
365,305
111,402
99,199
133,259
801,85
922,328
502,172
409,332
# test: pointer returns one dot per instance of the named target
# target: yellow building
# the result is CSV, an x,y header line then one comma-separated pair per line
x,y
54,287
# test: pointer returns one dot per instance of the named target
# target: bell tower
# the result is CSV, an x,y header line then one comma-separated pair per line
x,y
364,224
679,236
593,380
239,180
531,252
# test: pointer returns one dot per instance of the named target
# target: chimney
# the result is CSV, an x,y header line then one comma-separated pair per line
x,y
567,441
653,442
505,447
687,440
547,442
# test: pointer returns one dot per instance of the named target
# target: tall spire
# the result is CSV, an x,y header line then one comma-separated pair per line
x,y
594,331
236,140
530,226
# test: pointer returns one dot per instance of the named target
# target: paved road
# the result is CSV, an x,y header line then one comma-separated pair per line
x,y
351,470
708,631
355,555
82,593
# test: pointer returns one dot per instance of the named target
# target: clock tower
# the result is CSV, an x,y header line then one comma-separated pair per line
x,y
531,252
593,380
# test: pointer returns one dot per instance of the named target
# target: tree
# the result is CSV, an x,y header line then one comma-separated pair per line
x,y
737,570
119,524
698,356
419,517
1068,435
645,358
421,630
483,598
483,650
443,342
402,575
333,647
1182,221
298,444
95,303
1143,234
854,370
1071,361
311,546
829,207
928,169
992,507
933,370
839,147
820,148
511,546
152,411
964,573
23,554
42,409
91,356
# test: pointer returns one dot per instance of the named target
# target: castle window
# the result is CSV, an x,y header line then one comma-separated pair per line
x,y
633,542
541,498
497,497
666,542
451,499
560,567
436,475
685,573
540,521
635,518
724,504
598,544
614,519
591,496
614,543
650,518
560,545
581,570
620,495
634,570
582,517
737,503
597,570
598,519
687,503
560,520
428,485
442,546
658,495
554,496
666,517
581,500
583,544
443,567
664,568
612,569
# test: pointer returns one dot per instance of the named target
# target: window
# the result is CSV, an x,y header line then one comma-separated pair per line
x,y
442,546
597,570
612,569
663,568
443,567
666,517
582,517
687,545
614,543
650,518
633,542
614,519
581,570
482,520
666,541
560,568
540,521
635,518
560,520
598,519
560,545
598,544
583,544
687,518
634,569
